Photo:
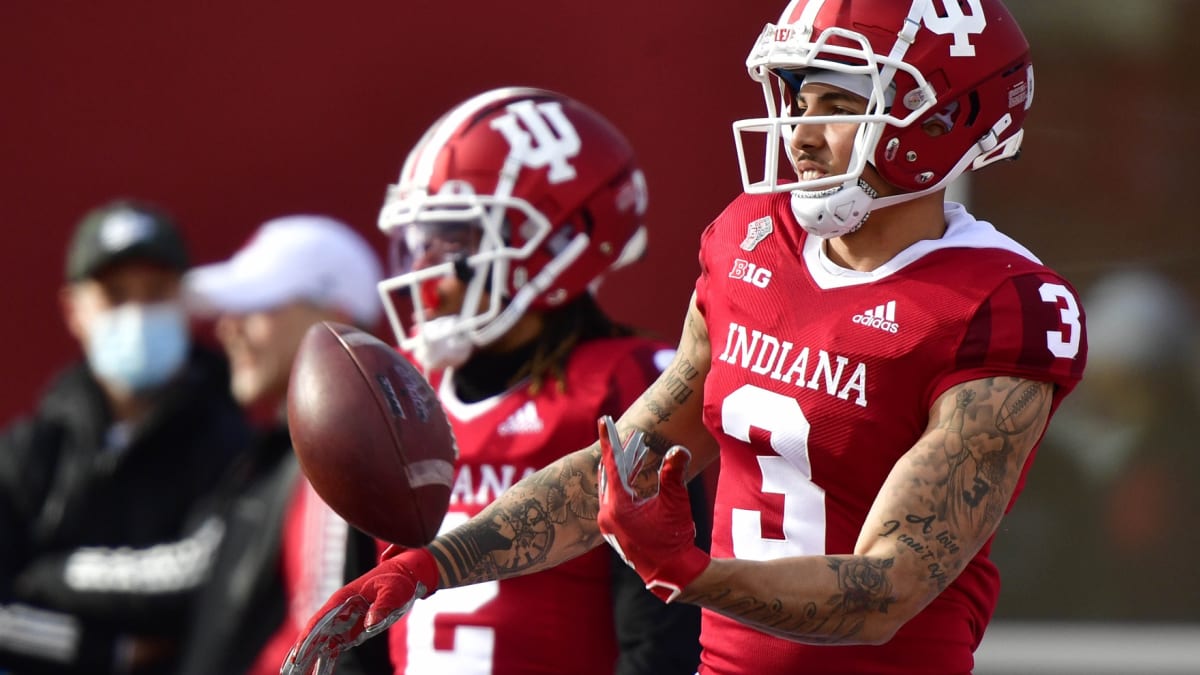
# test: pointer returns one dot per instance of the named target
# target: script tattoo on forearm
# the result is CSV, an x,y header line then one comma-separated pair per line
x,y
672,389
864,588
929,545
677,384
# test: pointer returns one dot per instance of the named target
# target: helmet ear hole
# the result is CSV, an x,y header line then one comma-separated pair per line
x,y
942,122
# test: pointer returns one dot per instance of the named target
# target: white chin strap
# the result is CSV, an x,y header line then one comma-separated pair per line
x,y
834,212
441,345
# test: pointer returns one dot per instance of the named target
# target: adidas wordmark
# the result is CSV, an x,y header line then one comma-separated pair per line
x,y
882,317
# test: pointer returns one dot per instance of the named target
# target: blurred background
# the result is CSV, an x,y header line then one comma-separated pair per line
x,y
228,113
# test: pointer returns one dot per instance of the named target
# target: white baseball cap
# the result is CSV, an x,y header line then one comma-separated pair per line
x,y
300,257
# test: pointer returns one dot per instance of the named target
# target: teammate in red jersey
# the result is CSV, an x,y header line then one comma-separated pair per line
x,y
873,366
505,214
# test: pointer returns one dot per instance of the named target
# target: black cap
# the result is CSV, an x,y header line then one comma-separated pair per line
x,y
124,230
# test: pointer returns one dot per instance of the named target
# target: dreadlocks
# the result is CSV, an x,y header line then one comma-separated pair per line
x,y
578,321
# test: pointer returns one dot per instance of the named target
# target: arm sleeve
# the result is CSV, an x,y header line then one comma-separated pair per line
x,y
12,522
34,640
702,279
24,466
1031,326
115,583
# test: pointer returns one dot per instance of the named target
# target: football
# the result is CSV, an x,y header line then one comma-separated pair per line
x,y
370,434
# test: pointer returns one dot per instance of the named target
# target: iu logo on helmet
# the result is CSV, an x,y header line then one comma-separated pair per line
x,y
951,20
540,136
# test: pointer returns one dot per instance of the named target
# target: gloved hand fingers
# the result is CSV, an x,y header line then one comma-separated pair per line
x,y
392,601
673,496
673,471
626,457
610,477
324,641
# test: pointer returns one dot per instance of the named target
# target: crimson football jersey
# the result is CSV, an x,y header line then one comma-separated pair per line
x,y
822,378
518,626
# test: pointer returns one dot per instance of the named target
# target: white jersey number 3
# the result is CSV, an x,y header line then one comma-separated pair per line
x,y
788,474
1063,344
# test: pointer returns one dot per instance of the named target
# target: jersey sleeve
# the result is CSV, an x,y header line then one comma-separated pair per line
x,y
702,280
1031,326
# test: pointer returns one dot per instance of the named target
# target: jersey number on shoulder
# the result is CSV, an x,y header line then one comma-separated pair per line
x,y
473,647
1062,343
787,474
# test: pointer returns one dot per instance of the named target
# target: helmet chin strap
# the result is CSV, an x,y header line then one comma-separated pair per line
x,y
834,212
442,345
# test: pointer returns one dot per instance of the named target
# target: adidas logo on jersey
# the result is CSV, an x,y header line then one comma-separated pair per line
x,y
882,317
524,421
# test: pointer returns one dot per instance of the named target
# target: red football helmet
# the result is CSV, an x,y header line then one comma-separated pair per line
x,y
948,84
526,195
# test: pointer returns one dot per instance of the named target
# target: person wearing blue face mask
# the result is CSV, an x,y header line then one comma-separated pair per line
x,y
103,489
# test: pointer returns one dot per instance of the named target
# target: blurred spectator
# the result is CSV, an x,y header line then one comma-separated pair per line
x,y
284,551
1113,493
96,487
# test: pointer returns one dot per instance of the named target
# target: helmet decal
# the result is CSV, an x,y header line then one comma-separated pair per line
x,y
547,139
949,19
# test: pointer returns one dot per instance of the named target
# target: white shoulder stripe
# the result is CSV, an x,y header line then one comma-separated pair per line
x,y
38,632
164,568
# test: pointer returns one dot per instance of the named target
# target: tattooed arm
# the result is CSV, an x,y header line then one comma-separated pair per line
x,y
939,505
550,516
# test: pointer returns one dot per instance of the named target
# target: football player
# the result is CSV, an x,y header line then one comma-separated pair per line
x,y
873,366
505,216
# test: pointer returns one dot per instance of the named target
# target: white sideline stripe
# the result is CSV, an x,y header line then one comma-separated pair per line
x,y
163,568
39,632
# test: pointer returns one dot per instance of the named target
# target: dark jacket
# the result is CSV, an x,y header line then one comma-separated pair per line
x,y
101,543
243,602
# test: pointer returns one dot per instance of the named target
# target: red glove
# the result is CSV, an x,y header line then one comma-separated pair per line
x,y
362,609
656,536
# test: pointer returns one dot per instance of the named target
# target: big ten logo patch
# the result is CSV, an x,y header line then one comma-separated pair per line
x,y
750,273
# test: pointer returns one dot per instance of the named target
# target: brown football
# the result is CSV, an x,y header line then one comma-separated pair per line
x,y
370,434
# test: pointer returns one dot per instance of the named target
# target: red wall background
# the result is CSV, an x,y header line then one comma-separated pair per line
x,y
228,113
